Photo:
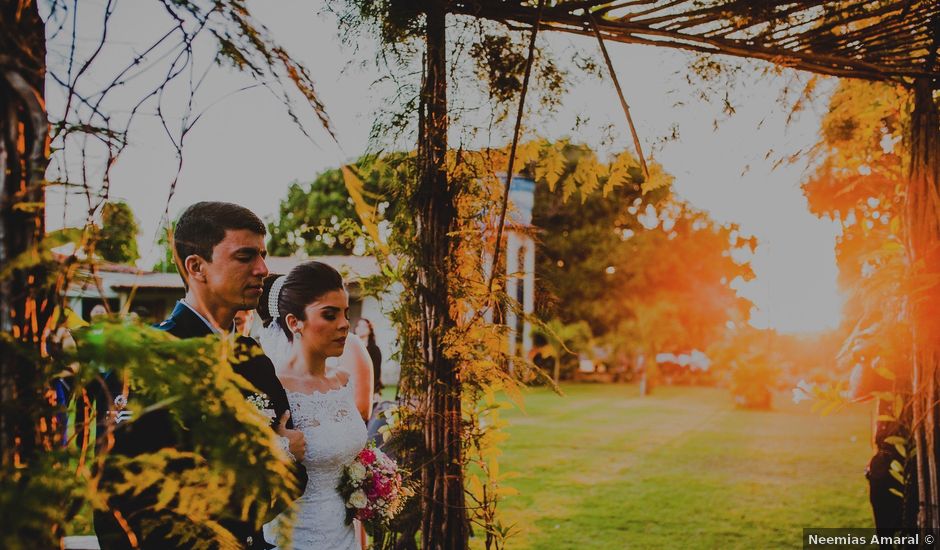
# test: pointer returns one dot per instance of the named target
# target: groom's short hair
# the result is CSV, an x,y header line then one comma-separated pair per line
x,y
203,225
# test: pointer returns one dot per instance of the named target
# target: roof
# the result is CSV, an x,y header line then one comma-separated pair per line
x,y
142,279
115,276
884,40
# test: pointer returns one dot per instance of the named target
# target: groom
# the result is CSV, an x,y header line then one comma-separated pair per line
x,y
220,255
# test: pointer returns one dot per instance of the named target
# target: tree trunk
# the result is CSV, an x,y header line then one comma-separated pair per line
x,y
25,304
923,247
444,524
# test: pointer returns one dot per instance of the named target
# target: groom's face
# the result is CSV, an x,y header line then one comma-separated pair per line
x,y
233,277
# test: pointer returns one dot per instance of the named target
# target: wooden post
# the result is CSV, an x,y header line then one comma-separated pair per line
x,y
923,247
444,519
25,304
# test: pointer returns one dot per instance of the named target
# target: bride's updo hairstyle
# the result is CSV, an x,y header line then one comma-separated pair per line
x,y
305,284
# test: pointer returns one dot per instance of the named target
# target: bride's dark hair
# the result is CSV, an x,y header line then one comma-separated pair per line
x,y
306,283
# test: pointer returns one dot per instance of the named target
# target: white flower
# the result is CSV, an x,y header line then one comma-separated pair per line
x,y
260,401
357,472
358,500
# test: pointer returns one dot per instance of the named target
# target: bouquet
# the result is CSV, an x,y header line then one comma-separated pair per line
x,y
372,488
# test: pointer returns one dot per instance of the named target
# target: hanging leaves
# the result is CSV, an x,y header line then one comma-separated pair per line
x,y
527,153
658,179
620,174
551,165
587,175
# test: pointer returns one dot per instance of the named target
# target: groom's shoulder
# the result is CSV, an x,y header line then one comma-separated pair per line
x,y
173,326
183,323
166,325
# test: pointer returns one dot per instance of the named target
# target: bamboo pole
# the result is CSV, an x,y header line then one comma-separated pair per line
x,y
623,101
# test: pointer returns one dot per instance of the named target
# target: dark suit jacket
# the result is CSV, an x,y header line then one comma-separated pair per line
x,y
154,431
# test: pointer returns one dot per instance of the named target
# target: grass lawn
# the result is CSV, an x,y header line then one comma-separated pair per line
x,y
603,468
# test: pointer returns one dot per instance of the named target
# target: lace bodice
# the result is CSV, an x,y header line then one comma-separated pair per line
x,y
335,433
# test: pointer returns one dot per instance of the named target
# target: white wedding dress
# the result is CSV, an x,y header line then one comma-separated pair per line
x,y
335,433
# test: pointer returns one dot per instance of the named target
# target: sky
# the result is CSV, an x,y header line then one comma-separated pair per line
x,y
245,148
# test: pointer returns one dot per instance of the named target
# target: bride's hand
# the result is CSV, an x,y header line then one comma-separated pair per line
x,y
297,444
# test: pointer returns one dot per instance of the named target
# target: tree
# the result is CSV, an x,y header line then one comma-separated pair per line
x,y
167,262
319,218
117,238
582,238
310,215
689,262
648,273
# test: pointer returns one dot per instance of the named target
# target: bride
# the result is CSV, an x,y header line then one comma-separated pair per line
x,y
307,311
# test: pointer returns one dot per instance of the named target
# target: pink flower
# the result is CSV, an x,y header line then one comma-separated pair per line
x,y
378,488
367,456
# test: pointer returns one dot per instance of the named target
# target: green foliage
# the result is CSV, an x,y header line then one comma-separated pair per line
x,y
393,21
309,215
500,58
319,218
229,465
581,239
38,499
861,182
40,491
167,263
117,238
41,254
646,271
232,461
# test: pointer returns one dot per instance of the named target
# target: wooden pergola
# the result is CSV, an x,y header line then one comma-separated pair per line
x,y
889,41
